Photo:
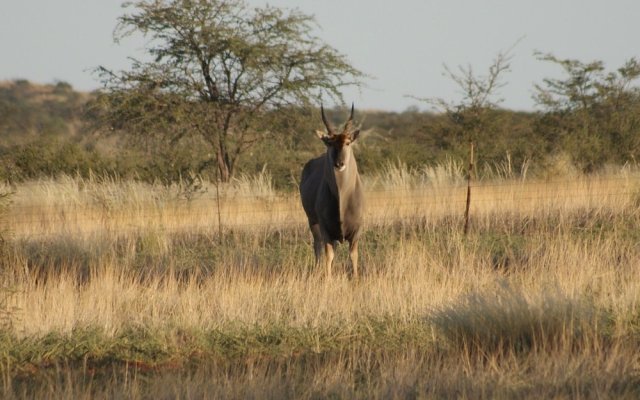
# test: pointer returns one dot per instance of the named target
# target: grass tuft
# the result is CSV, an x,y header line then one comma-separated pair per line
x,y
504,319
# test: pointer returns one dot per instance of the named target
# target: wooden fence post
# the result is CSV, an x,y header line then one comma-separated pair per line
x,y
468,205
218,207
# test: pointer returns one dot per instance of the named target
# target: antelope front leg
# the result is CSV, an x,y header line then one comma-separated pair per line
x,y
317,243
353,255
328,253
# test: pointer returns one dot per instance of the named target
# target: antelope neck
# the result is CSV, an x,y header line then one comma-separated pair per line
x,y
341,182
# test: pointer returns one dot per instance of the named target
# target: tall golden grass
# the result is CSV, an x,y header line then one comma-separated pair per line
x,y
547,275
78,206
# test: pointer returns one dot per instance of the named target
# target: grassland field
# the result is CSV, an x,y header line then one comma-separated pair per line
x,y
118,289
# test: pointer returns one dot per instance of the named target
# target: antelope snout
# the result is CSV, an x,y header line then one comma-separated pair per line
x,y
339,165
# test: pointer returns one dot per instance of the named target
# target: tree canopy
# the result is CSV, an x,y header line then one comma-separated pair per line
x,y
591,113
218,70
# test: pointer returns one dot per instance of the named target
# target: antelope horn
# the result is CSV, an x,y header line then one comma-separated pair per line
x,y
326,123
347,125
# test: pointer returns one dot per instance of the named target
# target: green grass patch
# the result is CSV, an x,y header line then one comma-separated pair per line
x,y
154,348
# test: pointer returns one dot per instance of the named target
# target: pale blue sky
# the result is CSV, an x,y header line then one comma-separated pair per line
x,y
402,44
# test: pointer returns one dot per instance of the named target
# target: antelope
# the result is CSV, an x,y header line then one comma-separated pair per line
x,y
332,195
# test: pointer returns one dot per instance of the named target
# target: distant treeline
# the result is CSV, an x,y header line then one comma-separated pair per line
x,y
47,130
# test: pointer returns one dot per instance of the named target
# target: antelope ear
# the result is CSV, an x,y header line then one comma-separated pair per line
x,y
324,137
355,134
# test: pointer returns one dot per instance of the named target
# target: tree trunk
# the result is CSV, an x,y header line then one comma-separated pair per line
x,y
218,139
224,169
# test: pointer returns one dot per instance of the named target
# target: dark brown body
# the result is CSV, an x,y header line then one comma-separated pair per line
x,y
332,196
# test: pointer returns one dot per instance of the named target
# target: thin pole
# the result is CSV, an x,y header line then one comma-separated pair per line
x,y
218,207
468,206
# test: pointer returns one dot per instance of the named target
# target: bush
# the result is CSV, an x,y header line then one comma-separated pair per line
x,y
49,158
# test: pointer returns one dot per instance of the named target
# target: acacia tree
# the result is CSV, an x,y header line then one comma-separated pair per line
x,y
479,96
591,113
219,71
473,118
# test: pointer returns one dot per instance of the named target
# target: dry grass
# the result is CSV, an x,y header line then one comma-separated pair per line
x,y
542,295
82,207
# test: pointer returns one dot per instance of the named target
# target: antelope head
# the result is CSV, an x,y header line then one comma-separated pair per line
x,y
339,151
